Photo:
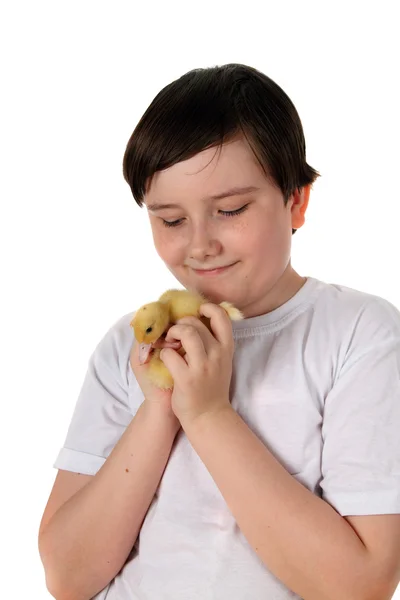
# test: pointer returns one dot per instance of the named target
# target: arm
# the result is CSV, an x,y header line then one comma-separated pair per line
x,y
312,549
87,541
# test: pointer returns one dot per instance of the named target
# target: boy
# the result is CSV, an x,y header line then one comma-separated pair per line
x,y
272,470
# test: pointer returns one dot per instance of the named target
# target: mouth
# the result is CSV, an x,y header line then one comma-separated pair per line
x,y
211,272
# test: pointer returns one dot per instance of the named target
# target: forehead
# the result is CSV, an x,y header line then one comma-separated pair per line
x,y
206,174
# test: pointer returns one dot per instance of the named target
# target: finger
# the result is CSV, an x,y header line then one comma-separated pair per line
x,y
201,324
174,362
163,343
220,322
204,332
191,340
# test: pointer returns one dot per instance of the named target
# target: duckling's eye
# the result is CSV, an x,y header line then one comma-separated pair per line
x,y
149,330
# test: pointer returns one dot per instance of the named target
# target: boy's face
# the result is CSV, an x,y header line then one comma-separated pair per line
x,y
257,242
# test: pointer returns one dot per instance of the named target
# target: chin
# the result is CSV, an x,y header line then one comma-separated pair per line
x,y
217,292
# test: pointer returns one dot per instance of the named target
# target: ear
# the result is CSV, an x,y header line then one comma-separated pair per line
x,y
300,200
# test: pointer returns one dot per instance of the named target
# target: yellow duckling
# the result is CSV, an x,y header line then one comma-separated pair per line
x,y
152,321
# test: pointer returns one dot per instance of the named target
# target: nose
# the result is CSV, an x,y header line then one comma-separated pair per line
x,y
204,243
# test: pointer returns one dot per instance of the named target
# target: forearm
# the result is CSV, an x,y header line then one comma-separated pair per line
x,y
89,538
298,536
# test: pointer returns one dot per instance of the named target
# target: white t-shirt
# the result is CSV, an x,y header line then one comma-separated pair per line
x,y
317,379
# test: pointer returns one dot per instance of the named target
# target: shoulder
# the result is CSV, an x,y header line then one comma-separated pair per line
x,y
359,332
355,310
113,348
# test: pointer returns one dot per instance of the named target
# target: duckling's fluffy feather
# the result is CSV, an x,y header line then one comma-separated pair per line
x,y
151,321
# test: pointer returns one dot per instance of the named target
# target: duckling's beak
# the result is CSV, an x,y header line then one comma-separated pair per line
x,y
144,352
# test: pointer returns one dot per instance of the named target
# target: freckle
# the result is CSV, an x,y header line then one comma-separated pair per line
x,y
127,470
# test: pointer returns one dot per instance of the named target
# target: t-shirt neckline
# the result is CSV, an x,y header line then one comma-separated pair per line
x,y
270,318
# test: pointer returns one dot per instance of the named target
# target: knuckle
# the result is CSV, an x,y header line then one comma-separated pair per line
x,y
190,331
187,320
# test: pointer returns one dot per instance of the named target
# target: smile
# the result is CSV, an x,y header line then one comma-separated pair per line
x,y
211,272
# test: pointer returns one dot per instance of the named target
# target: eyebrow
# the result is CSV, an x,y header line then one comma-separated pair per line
x,y
236,191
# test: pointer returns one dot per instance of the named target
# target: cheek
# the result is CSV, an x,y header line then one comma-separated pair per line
x,y
169,247
268,245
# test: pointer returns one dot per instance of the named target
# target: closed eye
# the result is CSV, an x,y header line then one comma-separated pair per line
x,y
226,213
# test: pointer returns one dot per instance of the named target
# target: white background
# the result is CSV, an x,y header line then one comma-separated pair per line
x,y
76,77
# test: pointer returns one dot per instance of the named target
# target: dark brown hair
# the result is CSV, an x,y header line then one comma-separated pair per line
x,y
207,107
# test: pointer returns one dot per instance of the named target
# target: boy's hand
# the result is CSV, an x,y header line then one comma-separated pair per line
x,y
202,377
154,396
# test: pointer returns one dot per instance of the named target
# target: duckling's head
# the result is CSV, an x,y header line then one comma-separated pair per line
x,y
149,323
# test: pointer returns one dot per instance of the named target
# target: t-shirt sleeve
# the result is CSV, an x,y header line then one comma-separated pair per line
x,y
360,461
102,410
